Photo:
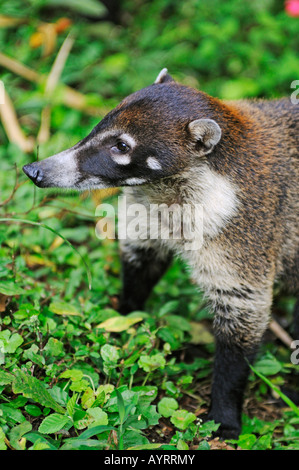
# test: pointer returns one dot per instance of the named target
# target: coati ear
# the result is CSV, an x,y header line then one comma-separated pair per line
x,y
206,131
164,77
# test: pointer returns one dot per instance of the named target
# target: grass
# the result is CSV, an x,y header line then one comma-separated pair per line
x,y
77,375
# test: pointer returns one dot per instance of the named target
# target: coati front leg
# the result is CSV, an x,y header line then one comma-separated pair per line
x,y
231,372
296,320
142,268
238,330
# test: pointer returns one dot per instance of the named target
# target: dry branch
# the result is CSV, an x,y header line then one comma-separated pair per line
x,y
12,127
280,333
18,68
72,98
51,83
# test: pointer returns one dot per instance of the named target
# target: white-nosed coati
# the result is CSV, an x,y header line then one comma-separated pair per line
x,y
170,144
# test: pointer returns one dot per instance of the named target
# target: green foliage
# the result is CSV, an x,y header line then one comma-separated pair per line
x,y
74,374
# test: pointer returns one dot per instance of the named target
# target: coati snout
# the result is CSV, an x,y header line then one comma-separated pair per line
x,y
147,137
239,161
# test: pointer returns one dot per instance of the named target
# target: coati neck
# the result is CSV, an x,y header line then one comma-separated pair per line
x,y
202,186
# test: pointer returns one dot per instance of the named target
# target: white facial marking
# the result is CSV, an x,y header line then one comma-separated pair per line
x,y
102,136
91,183
161,75
63,169
121,159
153,163
134,181
128,139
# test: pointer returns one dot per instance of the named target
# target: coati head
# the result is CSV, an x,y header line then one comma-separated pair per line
x,y
150,135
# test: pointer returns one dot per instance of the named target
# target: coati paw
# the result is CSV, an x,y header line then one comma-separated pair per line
x,y
126,306
225,431
124,309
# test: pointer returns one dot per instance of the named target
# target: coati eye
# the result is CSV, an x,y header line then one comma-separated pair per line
x,y
121,147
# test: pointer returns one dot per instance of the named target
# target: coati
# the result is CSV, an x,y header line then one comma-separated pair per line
x,y
239,160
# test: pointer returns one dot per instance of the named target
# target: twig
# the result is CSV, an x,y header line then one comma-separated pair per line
x,y
51,83
12,127
20,69
70,97
280,333
16,186
8,443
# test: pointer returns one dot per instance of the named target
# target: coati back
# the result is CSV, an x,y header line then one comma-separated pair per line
x,y
239,162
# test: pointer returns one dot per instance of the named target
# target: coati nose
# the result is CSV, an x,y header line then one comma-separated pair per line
x,y
34,173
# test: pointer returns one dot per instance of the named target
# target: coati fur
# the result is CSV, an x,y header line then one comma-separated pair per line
x,y
170,144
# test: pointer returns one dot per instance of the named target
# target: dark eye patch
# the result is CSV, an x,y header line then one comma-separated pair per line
x,y
122,147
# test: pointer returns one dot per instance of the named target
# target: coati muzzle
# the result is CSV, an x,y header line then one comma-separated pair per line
x,y
58,171
35,173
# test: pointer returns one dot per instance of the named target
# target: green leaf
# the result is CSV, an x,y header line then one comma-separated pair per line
x,y
109,353
268,365
10,288
88,398
5,378
146,447
100,400
149,413
170,306
146,393
10,414
245,441
170,388
14,342
54,347
286,399
2,440
167,406
73,374
39,441
32,355
182,418
32,388
150,363
53,423
178,322
81,444
95,430
10,342
118,323
33,410
203,445
263,442
121,406
79,385
64,308
100,417
131,438
206,429
17,432
41,446
182,445
70,406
